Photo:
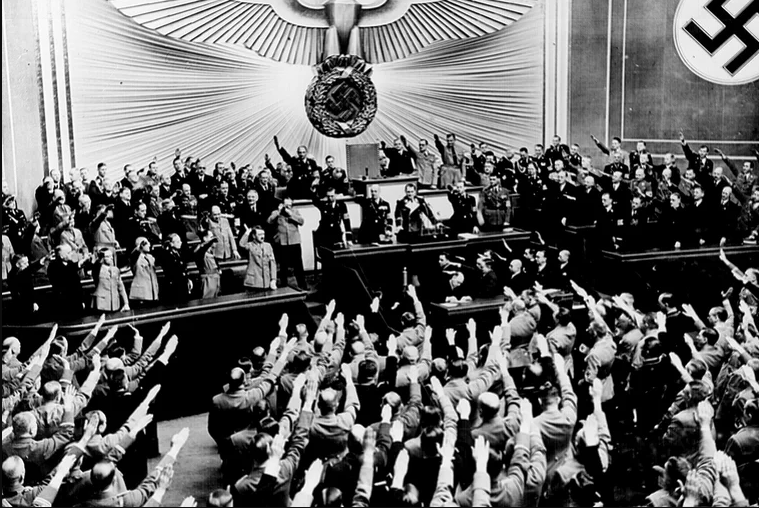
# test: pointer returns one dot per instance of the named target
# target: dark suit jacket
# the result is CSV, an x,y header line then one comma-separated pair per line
x,y
588,206
699,219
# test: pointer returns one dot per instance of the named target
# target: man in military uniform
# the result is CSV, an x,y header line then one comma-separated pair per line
x,y
410,213
335,223
540,159
464,218
375,217
556,151
494,207
617,164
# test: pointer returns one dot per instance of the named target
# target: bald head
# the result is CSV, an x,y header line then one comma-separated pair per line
x,y
13,471
515,266
489,405
102,475
236,378
11,348
328,401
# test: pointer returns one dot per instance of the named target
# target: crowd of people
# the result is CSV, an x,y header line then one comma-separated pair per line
x,y
85,226
544,411
78,425
552,407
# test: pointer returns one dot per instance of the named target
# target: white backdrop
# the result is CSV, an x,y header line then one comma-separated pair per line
x,y
137,94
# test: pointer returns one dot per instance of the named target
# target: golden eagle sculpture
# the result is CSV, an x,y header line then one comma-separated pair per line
x,y
340,38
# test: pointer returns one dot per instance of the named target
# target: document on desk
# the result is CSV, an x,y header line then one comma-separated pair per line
x,y
467,236
449,304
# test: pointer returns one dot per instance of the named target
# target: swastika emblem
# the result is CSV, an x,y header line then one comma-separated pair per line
x,y
719,39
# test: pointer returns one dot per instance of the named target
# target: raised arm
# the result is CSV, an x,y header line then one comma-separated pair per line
x,y
352,404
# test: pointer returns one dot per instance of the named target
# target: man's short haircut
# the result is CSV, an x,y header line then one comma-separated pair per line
x,y
13,470
367,371
410,186
721,313
524,149
260,449
704,147
539,145
393,400
50,391
220,497
711,335
458,368
328,401
300,362
102,475
236,378
23,423
617,139
101,164
329,497
564,317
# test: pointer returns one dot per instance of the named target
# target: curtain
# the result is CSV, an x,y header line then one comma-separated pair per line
x,y
137,94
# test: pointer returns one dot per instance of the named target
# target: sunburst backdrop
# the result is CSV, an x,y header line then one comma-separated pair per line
x,y
137,94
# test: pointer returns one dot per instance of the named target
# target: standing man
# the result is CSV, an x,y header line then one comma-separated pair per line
x,y
616,148
262,267
335,223
303,167
617,164
411,213
494,206
210,275
744,180
640,157
401,157
287,241
428,164
556,151
699,162
249,213
225,246
97,188
179,178
453,161
376,219
464,218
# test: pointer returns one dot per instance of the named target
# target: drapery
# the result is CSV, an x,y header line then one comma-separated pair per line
x,y
137,94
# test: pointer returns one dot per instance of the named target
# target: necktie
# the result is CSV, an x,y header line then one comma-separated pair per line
x,y
455,159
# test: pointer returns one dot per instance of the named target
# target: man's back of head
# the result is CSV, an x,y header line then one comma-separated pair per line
x,y
13,473
220,497
102,475
236,379
328,401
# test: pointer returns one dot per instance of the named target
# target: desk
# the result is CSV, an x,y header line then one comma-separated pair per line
x,y
480,241
380,267
734,252
448,315
391,189
163,313
685,271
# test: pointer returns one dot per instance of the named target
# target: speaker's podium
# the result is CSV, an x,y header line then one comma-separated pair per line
x,y
363,169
